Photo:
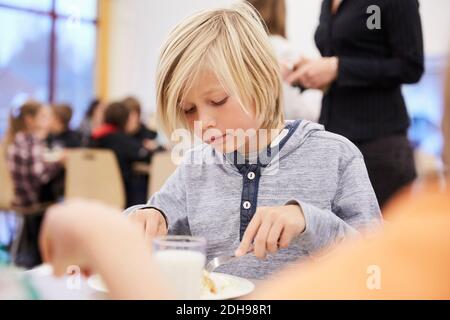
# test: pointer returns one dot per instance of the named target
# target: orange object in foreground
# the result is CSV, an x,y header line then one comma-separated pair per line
x,y
409,259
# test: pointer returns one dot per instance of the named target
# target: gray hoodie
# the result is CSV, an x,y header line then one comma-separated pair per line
x,y
212,197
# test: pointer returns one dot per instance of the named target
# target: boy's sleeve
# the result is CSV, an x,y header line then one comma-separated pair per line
x,y
354,209
170,200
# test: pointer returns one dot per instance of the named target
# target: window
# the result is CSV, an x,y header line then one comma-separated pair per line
x,y
425,105
47,52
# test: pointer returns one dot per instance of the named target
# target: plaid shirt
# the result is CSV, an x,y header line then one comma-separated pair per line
x,y
28,169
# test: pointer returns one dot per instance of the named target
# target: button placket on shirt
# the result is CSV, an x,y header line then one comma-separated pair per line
x,y
247,205
251,175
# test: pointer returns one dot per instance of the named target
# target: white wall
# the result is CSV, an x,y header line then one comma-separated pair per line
x,y
138,28
302,20
436,26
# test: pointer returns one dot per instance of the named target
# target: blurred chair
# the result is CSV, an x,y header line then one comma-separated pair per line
x,y
161,169
94,174
7,190
141,168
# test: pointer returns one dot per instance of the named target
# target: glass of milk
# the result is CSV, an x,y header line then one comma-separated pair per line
x,y
181,259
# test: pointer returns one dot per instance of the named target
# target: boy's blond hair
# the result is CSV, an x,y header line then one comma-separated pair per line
x,y
234,44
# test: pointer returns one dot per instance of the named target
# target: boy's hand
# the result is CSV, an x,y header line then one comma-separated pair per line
x,y
272,228
151,221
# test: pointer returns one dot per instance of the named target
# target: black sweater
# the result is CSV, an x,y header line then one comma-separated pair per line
x,y
365,102
66,139
127,151
144,133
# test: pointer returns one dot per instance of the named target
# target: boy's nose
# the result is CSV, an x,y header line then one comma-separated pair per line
x,y
207,120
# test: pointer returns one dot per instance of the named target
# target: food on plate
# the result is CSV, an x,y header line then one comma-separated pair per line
x,y
208,283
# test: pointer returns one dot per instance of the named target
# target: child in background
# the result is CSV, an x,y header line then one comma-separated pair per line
x,y
146,138
93,119
288,190
138,130
113,135
32,174
60,133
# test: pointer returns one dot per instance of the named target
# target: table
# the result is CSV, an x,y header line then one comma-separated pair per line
x,y
74,287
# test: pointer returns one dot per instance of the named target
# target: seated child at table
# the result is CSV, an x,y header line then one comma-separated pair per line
x,y
61,136
112,134
285,190
34,176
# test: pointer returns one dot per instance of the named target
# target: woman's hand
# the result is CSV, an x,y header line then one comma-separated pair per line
x,y
285,69
315,74
272,228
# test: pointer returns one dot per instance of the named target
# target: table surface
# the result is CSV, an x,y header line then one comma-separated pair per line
x,y
74,287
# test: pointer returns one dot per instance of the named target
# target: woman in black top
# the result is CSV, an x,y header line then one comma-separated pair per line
x,y
369,49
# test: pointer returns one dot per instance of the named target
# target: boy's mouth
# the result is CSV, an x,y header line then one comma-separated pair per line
x,y
215,139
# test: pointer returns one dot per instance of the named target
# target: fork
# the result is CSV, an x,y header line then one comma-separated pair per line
x,y
218,261
221,260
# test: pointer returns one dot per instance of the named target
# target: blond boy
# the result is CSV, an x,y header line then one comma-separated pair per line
x,y
283,190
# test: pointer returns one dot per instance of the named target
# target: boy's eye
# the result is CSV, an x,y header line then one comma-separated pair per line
x,y
190,110
220,102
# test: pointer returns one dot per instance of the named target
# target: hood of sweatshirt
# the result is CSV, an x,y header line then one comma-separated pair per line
x,y
294,134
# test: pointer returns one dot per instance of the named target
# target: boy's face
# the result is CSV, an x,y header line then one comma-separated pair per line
x,y
218,112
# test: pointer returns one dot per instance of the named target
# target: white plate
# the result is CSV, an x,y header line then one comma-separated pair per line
x,y
43,270
96,283
228,286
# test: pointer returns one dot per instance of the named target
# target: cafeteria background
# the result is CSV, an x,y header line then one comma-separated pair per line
x,y
76,52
